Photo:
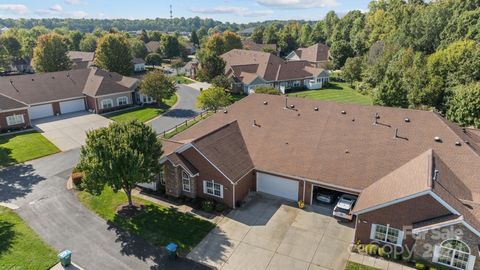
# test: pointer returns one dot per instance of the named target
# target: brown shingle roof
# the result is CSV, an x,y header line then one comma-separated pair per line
x,y
315,53
248,65
137,60
81,60
7,103
249,44
46,87
345,150
152,46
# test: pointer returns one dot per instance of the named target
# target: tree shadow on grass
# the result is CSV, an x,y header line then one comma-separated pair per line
x,y
17,181
6,155
159,226
7,235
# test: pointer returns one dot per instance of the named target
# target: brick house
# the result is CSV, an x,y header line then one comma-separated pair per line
x,y
28,97
414,173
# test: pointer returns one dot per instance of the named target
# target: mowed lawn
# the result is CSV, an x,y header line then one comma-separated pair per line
x,y
143,114
22,147
336,91
20,246
182,79
156,224
356,266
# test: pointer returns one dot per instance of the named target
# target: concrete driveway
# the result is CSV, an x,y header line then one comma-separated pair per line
x,y
200,85
269,233
68,131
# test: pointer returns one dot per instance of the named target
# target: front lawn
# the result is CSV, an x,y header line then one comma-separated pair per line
x,y
182,79
357,266
22,147
157,224
335,91
20,246
143,114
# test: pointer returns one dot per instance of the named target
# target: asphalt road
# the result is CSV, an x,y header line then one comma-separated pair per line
x,y
38,188
184,110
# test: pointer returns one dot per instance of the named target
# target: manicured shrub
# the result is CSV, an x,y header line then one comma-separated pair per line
x,y
220,207
420,266
207,206
371,249
381,252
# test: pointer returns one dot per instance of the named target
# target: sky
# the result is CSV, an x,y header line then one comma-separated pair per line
x,y
239,11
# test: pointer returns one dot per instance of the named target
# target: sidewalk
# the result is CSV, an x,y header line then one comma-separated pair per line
x,y
72,266
377,262
180,208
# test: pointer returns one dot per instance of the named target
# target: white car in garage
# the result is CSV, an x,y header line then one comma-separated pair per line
x,y
344,207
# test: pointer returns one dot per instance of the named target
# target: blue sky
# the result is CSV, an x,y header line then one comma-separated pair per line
x,y
223,10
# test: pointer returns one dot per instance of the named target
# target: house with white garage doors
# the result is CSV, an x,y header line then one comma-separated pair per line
x,y
28,97
413,172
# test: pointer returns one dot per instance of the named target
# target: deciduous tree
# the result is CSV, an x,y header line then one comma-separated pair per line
x,y
114,54
88,43
50,54
158,86
352,70
464,105
213,98
120,156
153,59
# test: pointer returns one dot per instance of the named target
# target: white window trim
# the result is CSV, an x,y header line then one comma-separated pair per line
x,y
205,189
436,255
373,232
14,121
122,97
186,178
161,175
104,102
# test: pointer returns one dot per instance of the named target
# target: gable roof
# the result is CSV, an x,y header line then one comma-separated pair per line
x,y
315,53
81,60
40,88
7,103
249,44
248,65
138,60
152,46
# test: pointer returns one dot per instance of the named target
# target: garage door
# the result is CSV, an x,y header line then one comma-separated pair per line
x,y
76,105
277,186
40,111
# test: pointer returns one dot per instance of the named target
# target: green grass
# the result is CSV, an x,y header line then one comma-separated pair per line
x,y
157,224
357,266
22,147
20,246
182,79
336,91
143,114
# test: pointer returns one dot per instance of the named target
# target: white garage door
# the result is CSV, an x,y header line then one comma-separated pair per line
x,y
75,105
277,186
40,111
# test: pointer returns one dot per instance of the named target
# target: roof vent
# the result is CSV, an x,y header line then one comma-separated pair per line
x,y
347,151
53,77
467,142
377,116
315,109
292,106
255,123
343,112
457,143
265,103
11,82
225,111
407,120
396,133
437,139
353,119
33,79
68,75
464,130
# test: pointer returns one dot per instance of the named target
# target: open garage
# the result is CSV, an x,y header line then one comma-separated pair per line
x,y
278,186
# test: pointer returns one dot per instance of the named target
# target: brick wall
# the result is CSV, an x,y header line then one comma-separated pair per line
x,y
3,121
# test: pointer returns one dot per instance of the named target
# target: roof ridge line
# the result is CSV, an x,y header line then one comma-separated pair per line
x,y
14,99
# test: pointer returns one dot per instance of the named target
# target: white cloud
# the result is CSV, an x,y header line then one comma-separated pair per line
x,y
240,11
298,4
15,8
56,8
73,2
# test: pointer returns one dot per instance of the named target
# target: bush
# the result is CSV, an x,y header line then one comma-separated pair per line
x,y
208,206
419,266
371,249
381,252
220,207
77,178
267,90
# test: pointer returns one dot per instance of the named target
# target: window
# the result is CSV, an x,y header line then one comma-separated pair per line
x,y
212,188
161,177
296,83
453,253
185,182
107,104
15,120
386,234
122,101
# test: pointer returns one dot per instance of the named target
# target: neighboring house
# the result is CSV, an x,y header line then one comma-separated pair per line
x,y
21,65
152,46
414,173
138,64
250,69
249,44
28,97
190,69
246,32
318,54
190,48
81,60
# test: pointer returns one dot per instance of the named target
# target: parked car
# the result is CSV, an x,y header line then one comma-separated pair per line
x,y
344,207
325,198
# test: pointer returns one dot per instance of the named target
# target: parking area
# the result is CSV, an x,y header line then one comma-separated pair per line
x,y
271,233
68,131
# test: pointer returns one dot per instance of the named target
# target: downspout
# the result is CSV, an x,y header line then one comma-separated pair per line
x,y
234,195
304,183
